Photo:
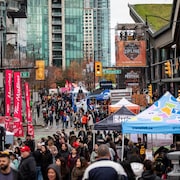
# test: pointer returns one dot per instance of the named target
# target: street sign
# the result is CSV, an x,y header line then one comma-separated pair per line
x,y
111,71
25,74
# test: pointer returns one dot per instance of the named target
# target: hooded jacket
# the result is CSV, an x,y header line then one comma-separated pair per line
x,y
148,175
56,169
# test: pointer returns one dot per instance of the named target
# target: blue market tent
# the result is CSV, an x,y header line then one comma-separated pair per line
x,y
105,95
162,117
100,95
113,122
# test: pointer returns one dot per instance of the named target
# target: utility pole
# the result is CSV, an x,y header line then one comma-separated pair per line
x,y
1,34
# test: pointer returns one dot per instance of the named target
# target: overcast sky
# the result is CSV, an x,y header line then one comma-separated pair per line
x,y
120,14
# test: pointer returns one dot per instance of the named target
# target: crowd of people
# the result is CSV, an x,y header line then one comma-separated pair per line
x,y
74,157
77,155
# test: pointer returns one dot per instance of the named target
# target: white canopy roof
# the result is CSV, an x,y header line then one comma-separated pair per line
x,y
124,102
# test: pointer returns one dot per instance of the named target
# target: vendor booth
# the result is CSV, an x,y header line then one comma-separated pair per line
x,y
114,121
162,117
124,102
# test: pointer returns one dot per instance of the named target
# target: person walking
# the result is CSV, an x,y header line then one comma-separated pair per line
x,y
27,166
6,172
103,168
47,159
38,158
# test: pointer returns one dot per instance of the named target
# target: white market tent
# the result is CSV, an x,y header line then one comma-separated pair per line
x,y
135,108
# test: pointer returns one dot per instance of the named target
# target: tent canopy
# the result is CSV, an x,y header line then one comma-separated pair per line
x,y
124,102
113,122
162,117
100,95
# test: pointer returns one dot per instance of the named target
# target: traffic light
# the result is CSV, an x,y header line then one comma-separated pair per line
x,y
168,68
150,90
40,70
179,93
98,68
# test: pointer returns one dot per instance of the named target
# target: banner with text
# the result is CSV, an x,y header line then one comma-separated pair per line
x,y
8,91
131,53
17,126
30,128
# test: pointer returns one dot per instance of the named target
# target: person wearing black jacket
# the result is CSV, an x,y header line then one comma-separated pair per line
x,y
27,166
38,158
148,173
6,172
30,142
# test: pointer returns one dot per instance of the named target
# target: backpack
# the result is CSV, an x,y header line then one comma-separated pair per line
x,y
159,165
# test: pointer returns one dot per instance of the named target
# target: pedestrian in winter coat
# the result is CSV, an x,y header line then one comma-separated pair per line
x,y
47,159
148,172
79,169
53,172
27,166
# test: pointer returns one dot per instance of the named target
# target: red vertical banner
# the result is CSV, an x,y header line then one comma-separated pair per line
x,y
30,128
8,87
17,125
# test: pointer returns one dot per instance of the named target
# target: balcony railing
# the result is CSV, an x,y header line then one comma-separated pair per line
x,y
12,6
56,6
56,14
11,29
56,22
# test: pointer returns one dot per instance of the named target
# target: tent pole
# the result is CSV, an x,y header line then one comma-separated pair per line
x,y
94,134
122,152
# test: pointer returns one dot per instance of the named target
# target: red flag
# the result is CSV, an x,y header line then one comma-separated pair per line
x,y
8,87
30,128
17,125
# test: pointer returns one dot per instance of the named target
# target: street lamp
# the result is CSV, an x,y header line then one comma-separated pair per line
x,y
175,63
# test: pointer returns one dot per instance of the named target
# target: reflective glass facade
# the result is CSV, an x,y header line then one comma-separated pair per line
x,y
73,31
102,41
37,30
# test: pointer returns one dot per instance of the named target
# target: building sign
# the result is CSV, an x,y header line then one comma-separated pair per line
x,y
131,53
105,85
132,79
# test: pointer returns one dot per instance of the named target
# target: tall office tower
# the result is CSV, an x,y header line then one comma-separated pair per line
x,y
38,30
88,32
102,44
73,13
56,33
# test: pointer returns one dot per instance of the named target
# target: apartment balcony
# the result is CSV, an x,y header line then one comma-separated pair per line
x,y
56,22
57,14
12,6
17,9
56,6
57,48
57,39
11,29
57,31
56,56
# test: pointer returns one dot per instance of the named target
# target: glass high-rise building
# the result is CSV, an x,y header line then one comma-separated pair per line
x,y
38,30
56,31
102,44
73,30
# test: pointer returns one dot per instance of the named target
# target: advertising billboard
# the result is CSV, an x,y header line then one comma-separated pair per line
x,y
131,53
